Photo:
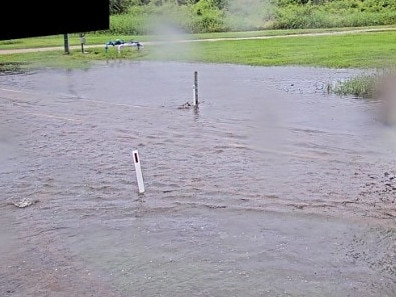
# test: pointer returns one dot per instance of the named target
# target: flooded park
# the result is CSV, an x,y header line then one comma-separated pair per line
x,y
270,186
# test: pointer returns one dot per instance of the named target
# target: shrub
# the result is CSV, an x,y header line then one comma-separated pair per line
x,y
363,86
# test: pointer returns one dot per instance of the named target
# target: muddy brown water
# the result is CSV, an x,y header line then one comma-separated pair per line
x,y
271,187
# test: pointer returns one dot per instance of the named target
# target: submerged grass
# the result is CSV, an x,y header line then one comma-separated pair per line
x,y
11,67
362,86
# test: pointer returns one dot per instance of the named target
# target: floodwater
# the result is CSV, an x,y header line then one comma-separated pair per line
x,y
271,187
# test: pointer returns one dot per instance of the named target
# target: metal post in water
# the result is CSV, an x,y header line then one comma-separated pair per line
x,y
195,89
138,169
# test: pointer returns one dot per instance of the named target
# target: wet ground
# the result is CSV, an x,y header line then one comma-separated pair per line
x,y
271,187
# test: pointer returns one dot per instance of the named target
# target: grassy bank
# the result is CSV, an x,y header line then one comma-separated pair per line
x,y
371,49
98,38
362,50
317,48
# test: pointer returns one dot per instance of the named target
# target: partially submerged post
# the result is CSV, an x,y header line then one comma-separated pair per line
x,y
138,169
195,89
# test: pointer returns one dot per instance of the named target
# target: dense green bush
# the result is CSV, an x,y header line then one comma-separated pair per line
x,y
203,16
138,17
207,17
338,13
248,15
132,22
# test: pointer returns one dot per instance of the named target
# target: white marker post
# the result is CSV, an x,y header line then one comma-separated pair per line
x,y
138,169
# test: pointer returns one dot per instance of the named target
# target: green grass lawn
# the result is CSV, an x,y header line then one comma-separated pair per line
x,y
360,50
351,50
95,38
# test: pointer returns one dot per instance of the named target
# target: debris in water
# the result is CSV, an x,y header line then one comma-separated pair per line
x,y
25,202
186,105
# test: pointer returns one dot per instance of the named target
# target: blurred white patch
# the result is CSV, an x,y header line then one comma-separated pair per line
x,y
386,96
268,130
7,146
249,14
170,39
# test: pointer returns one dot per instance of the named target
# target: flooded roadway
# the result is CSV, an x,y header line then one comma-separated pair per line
x,y
272,187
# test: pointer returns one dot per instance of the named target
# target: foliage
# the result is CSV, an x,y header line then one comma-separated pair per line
x,y
118,6
378,85
248,15
206,17
337,13
11,67
131,23
362,86
202,16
